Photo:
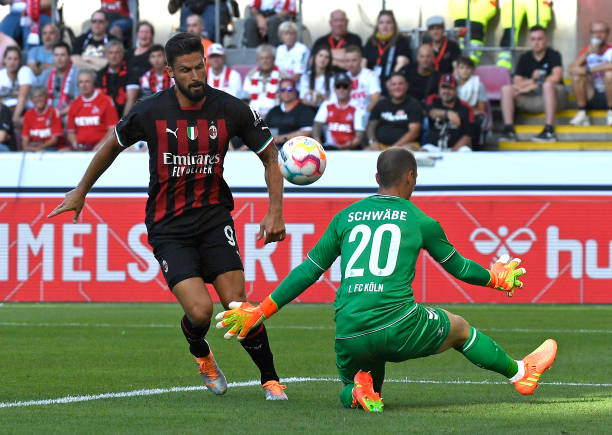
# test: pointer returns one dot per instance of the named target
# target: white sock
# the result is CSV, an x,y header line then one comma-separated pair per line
x,y
520,373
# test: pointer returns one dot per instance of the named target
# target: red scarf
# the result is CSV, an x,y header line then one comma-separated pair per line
x,y
341,43
438,58
216,82
153,81
64,98
381,51
33,11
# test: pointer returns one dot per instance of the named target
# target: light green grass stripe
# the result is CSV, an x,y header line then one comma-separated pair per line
x,y
157,391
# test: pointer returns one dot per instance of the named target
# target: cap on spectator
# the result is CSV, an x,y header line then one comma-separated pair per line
x,y
448,81
342,77
216,49
436,20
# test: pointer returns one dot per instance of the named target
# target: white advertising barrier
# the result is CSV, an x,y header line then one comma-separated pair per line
x,y
551,209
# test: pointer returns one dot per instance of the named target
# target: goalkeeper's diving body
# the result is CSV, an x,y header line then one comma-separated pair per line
x,y
377,320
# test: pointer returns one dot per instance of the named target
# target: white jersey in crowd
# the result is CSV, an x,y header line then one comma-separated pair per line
x,y
595,59
363,86
292,61
472,91
319,85
9,90
262,89
228,80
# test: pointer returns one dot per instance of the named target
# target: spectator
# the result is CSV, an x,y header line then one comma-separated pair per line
x,y
395,120
219,75
386,50
365,85
5,42
92,115
445,50
343,119
42,125
205,9
338,39
266,17
195,26
536,86
15,83
592,75
157,78
116,80
471,90
88,48
422,76
262,82
290,118
119,18
138,57
24,21
291,56
6,129
61,80
451,121
316,84
41,57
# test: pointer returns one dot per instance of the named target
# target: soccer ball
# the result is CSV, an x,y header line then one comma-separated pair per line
x,y
302,160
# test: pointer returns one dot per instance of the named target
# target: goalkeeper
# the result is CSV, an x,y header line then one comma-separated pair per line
x,y
377,320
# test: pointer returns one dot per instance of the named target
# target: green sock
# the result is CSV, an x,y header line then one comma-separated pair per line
x,y
346,395
487,354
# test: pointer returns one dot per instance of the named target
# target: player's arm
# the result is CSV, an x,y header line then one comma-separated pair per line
x,y
272,226
502,276
242,316
75,199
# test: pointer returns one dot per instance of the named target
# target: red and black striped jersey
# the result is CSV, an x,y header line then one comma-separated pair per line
x,y
187,148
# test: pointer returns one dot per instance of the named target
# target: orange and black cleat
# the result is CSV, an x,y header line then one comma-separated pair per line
x,y
536,363
364,394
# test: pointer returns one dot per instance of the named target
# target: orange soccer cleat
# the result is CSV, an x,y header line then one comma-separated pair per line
x,y
364,395
274,390
536,363
213,377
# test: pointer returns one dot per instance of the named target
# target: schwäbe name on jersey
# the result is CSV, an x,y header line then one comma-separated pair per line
x,y
377,215
184,164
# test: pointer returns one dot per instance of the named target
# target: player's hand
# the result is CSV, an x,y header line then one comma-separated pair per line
x,y
242,317
73,200
504,275
273,228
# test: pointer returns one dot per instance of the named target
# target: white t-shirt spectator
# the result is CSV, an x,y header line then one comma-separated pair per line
x,y
595,59
228,80
294,61
9,90
319,85
363,86
472,91
341,122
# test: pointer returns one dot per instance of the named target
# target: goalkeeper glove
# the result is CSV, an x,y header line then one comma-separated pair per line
x,y
504,275
242,317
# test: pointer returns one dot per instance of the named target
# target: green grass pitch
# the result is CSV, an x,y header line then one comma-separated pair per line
x,y
51,353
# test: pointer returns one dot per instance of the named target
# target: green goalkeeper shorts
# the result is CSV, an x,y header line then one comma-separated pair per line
x,y
418,334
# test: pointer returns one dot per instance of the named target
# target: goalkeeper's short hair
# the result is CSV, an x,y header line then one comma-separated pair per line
x,y
392,164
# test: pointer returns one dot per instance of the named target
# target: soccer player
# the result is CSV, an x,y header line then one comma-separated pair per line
x,y
377,320
187,128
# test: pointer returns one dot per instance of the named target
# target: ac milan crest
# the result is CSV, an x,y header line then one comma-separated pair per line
x,y
212,132
165,266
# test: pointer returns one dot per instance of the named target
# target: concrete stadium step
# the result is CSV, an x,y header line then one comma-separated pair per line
x,y
563,117
555,146
568,132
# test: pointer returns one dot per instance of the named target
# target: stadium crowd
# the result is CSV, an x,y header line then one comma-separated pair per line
x,y
345,91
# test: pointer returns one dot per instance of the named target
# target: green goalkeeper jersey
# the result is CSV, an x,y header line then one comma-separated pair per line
x,y
380,238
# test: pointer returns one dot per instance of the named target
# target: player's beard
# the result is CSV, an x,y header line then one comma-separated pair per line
x,y
194,96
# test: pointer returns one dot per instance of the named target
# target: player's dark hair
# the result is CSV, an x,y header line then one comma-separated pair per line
x,y
537,28
392,164
182,44
62,44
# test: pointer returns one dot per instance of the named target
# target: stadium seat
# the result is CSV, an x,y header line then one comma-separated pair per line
x,y
493,77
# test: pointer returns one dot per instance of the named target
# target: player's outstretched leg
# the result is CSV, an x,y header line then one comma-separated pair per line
x,y
258,347
536,363
363,394
213,377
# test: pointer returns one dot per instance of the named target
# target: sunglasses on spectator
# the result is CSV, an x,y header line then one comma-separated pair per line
x,y
341,86
287,89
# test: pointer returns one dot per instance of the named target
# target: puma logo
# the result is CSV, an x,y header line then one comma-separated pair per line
x,y
173,132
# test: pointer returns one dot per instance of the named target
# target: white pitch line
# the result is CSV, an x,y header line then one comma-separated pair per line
x,y
158,391
156,325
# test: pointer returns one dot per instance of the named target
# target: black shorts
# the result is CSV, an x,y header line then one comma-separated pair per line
x,y
598,101
207,253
